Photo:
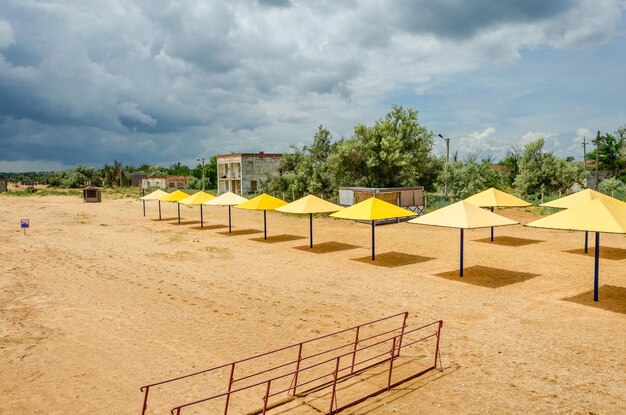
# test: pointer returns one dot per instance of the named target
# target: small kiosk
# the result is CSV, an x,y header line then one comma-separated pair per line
x,y
92,195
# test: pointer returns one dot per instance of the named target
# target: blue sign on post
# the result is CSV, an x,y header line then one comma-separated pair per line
x,y
24,224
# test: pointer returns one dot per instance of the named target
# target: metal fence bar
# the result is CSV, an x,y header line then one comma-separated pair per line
x,y
392,354
356,345
230,387
334,391
406,315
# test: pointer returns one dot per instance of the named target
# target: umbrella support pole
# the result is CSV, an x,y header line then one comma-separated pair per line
x,y
229,226
596,268
178,205
201,218
265,224
492,226
144,207
159,210
311,230
461,257
373,243
586,241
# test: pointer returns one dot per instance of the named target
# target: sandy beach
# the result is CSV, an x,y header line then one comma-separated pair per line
x,y
97,300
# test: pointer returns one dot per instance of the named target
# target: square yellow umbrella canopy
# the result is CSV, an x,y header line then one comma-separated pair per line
x,y
198,198
229,199
597,215
492,198
576,199
262,202
463,215
175,196
373,209
156,195
309,205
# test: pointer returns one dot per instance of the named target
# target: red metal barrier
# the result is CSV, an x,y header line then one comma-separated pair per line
x,y
356,355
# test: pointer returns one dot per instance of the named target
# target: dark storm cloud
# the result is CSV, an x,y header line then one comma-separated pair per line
x,y
155,80
461,18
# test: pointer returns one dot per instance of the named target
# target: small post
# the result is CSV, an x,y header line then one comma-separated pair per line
x,y
143,193
145,401
229,226
159,210
393,355
586,241
597,268
333,393
178,205
201,218
461,246
265,224
356,345
373,243
311,230
492,226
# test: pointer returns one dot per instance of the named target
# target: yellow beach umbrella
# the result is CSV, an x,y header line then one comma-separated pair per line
x,y
262,202
227,199
373,209
175,196
492,198
309,205
598,215
576,199
198,198
463,215
153,196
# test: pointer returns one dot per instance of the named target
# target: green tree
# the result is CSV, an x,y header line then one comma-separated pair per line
x,y
611,185
511,162
542,172
611,152
466,179
395,151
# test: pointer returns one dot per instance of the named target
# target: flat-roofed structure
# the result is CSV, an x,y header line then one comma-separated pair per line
x,y
243,173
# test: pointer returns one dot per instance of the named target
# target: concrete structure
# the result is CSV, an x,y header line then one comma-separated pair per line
x,y
243,173
3,185
92,195
411,198
136,179
164,182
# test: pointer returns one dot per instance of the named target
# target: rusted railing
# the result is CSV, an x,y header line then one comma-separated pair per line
x,y
306,365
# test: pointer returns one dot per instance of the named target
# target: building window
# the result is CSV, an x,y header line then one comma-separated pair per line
x,y
253,186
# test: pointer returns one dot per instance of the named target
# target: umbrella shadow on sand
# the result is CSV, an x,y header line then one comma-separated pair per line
x,y
240,232
613,299
606,252
278,238
209,227
327,247
393,259
508,241
487,276
187,222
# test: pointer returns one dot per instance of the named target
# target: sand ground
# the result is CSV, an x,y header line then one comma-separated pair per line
x,y
97,300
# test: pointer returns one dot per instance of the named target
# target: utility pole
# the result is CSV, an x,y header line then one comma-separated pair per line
x,y
447,140
597,159
202,172
585,153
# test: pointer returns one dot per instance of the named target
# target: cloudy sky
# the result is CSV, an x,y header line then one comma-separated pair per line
x,y
162,81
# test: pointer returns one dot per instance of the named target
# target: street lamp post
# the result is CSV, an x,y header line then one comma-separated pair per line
x,y
202,160
447,140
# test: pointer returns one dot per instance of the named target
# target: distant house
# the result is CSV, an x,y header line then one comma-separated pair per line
x,y
3,185
243,173
165,182
136,179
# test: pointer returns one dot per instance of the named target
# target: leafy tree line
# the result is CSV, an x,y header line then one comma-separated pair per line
x,y
116,174
397,151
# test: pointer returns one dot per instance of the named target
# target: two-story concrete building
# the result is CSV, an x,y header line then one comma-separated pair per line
x,y
243,173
